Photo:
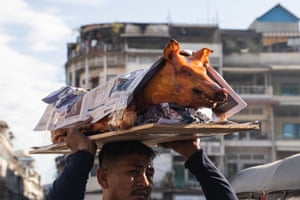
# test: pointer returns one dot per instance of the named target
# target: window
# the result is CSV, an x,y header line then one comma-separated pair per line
x,y
77,82
259,157
252,111
245,156
110,76
182,177
287,111
244,112
289,89
70,78
232,169
179,176
95,82
291,131
132,59
257,111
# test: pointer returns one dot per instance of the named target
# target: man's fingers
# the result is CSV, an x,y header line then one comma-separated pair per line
x,y
82,126
58,135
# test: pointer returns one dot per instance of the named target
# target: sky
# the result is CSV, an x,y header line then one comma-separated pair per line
x,y
34,35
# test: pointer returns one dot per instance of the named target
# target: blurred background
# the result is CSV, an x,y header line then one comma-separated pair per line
x,y
48,44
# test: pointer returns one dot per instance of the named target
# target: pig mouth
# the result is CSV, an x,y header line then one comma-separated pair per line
x,y
207,101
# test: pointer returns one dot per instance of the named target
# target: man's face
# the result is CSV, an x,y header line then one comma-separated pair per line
x,y
130,178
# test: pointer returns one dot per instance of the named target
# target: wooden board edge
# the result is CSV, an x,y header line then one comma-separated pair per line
x,y
210,129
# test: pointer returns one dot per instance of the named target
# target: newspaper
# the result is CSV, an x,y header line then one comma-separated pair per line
x,y
69,105
234,102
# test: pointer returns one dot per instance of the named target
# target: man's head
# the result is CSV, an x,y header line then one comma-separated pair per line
x,y
125,170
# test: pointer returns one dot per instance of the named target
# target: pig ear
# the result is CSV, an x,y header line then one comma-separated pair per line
x,y
202,55
171,48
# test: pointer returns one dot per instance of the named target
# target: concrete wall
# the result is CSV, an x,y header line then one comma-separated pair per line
x,y
275,27
261,59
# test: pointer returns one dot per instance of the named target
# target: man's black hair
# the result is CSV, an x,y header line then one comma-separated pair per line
x,y
113,150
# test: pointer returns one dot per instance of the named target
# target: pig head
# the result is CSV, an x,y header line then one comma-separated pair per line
x,y
183,80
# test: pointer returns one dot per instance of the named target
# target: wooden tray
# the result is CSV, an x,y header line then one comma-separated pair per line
x,y
152,134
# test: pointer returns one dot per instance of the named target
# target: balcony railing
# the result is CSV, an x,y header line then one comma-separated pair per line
x,y
213,147
287,144
253,90
247,135
111,58
84,50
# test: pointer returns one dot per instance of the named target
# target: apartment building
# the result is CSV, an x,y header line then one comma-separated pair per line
x,y
261,63
18,178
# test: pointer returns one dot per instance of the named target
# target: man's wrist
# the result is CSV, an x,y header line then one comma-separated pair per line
x,y
88,147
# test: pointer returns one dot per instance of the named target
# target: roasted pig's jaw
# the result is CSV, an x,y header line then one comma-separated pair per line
x,y
204,100
221,96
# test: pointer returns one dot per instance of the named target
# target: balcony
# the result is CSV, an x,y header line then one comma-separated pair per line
x,y
262,59
253,91
287,100
248,138
288,145
98,58
213,148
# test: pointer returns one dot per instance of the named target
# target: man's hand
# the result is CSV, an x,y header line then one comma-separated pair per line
x,y
76,140
58,135
184,147
74,137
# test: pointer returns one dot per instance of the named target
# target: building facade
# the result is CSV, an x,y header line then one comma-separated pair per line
x,y
266,77
262,64
18,178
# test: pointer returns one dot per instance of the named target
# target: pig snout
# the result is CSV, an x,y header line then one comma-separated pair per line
x,y
221,95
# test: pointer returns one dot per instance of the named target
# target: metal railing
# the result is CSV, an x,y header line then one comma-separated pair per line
x,y
247,135
253,89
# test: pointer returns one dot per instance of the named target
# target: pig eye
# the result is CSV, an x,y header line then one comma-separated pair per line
x,y
186,72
